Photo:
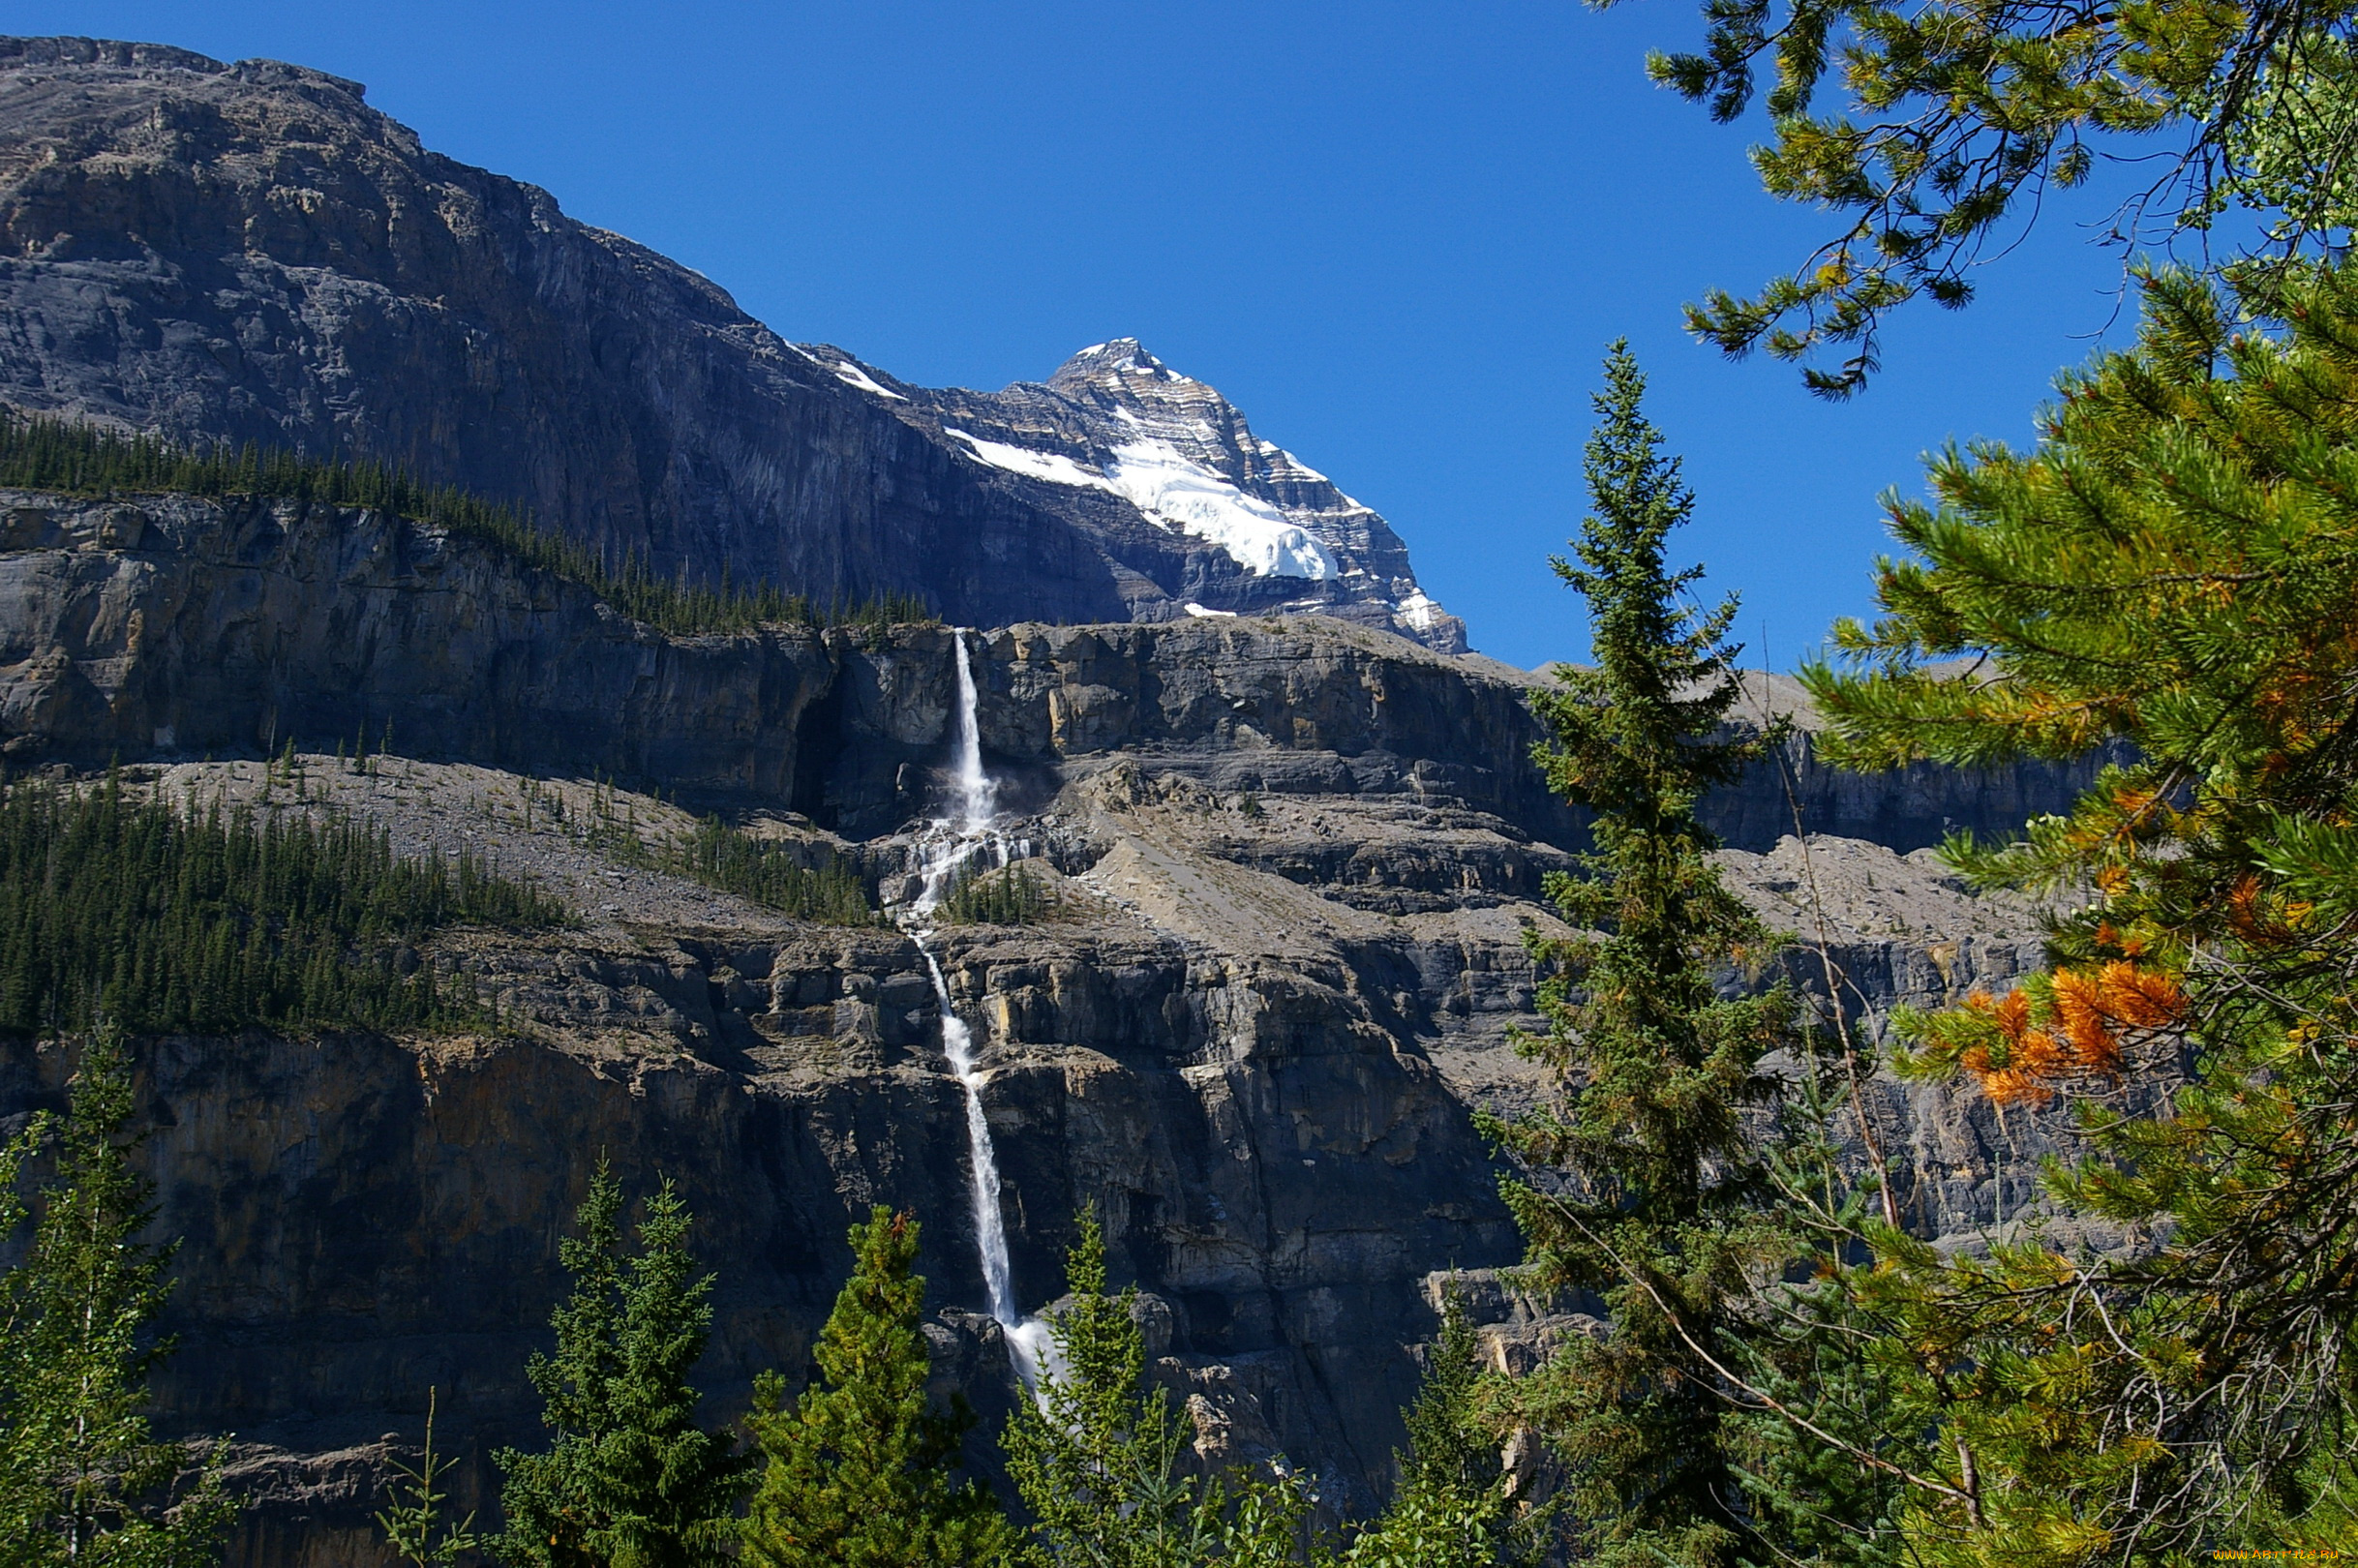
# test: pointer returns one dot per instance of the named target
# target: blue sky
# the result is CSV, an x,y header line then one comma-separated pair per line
x,y
1399,236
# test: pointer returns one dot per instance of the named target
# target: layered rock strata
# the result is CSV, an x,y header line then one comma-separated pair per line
x,y
173,626
1292,864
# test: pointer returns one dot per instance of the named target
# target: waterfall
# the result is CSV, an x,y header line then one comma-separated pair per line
x,y
990,1226
977,795
966,831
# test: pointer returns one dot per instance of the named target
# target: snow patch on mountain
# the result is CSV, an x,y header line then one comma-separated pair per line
x,y
850,372
1053,467
1418,610
1177,493
1115,424
1165,487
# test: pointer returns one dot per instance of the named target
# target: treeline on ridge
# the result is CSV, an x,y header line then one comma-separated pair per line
x,y
119,907
82,460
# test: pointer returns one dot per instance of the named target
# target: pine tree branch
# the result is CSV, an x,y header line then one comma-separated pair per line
x,y
1764,1401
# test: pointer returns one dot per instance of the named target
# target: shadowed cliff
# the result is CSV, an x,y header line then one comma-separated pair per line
x,y
1293,862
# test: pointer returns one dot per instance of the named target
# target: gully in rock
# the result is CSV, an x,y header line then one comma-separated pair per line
x,y
954,841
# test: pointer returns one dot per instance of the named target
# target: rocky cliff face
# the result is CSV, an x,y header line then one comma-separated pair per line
x,y
168,626
250,252
1293,859
1116,422
366,1217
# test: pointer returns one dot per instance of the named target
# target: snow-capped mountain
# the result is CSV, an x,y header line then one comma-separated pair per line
x,y
224,254
1114,427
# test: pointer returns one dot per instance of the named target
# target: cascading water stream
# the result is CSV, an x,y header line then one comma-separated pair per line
x,y
990,1226
963,834
978,797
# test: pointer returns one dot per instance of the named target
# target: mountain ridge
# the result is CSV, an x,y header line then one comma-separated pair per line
x,y
1290,859
248,252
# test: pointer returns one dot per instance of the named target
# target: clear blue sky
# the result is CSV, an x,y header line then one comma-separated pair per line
x,y
1399,236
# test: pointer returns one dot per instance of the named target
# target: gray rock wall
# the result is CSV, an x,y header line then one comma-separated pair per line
x,y
249,252
1301,852
364,1219
165,625
178,627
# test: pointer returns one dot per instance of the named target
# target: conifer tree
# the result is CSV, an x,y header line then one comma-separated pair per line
x,y
1448,1447
81,1479
2174,566
1663,1208
1952,123
413,1525
1098,1456
858,1468
19,1486
1818,1433
631,1481
1451,1504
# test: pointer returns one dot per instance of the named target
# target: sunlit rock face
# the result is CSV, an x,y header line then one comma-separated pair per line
x,y
250,252
1114,421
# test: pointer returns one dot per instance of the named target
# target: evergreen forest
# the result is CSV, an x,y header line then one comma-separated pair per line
x,y
767,872
1008,895
128,909
715,854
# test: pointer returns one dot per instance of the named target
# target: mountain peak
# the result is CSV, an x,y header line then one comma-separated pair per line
x,y
1118,362
1120,490
1115,420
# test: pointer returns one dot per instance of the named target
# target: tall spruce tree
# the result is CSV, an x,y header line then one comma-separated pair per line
x,y
81,1479
1449,1445
631,1480
20,1493
858,1469
1659,1205
1096,1458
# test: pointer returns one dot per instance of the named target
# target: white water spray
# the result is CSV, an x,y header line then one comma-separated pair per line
x,y
964,834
